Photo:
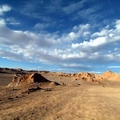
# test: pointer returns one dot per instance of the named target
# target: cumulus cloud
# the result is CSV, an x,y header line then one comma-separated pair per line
x,y
76,49
77,32
2,22
10,55
30,44
21,37
117,25
100,39
4,8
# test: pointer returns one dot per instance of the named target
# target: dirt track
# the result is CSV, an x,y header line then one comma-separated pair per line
x,y
84,102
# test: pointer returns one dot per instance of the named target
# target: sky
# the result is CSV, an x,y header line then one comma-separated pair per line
x,y
60,35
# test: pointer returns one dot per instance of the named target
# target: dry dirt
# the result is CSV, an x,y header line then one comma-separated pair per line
x,y
72,100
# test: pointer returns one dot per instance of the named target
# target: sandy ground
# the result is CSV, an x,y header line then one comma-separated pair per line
x,y
78,101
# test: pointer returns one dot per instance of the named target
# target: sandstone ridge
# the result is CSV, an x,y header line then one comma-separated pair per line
x,y
28,80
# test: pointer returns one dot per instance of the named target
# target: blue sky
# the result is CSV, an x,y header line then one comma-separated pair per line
x,y
60,35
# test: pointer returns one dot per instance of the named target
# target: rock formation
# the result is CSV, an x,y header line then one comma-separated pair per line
x,y
109,75
89,77
29,80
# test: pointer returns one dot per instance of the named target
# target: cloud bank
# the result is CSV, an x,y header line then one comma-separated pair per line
x,y
81,47
62,50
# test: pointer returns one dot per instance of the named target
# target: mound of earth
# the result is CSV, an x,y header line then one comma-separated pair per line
x,y
30,80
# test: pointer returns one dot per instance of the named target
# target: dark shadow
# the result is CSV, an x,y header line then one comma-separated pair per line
x,y
39,78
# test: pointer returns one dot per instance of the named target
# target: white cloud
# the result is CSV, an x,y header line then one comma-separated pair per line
x,y
118,67
117,25
117,50
4,8
21,37
90,14
74,49
10,55
41,25
2,22
76,66
12,21
77,32
84,13
74,7
92,43
102,33
100,39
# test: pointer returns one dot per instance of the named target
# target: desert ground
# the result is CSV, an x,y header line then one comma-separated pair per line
x,y
81,96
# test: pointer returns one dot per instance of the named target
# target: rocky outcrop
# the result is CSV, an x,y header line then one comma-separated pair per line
x,y
29,80
109,75
84,76
89,77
